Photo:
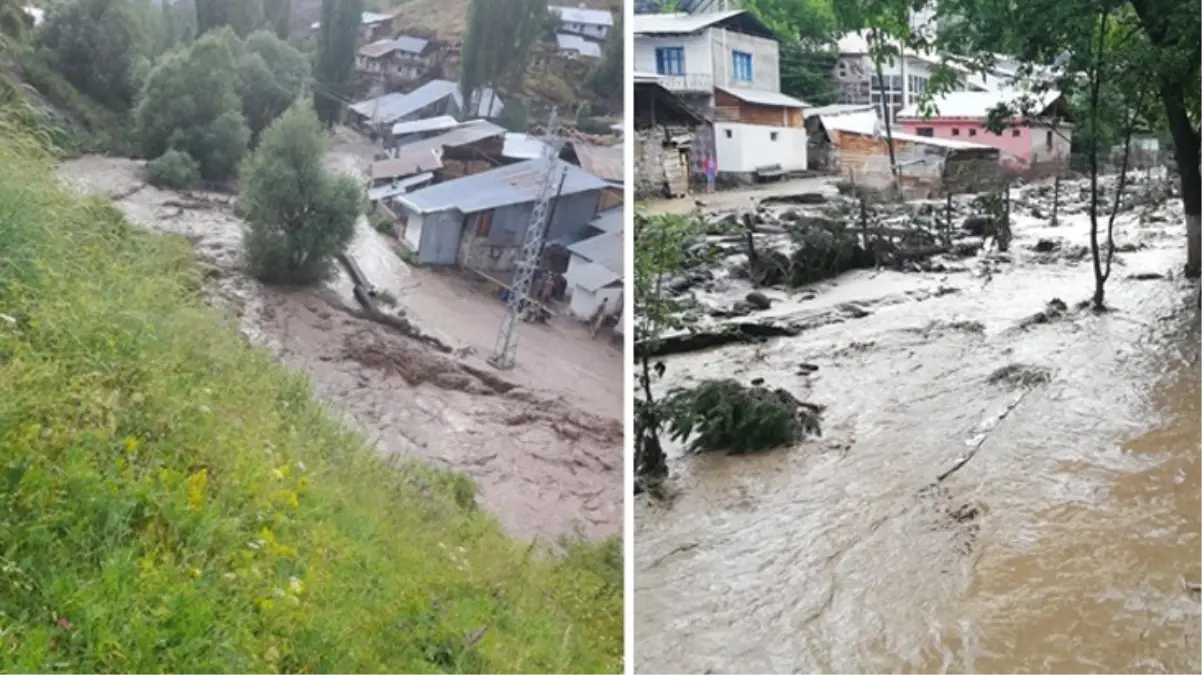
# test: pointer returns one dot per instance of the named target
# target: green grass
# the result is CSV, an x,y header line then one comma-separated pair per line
x,y
173,500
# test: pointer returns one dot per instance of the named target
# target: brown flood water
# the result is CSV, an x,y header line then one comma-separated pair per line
x,y
822,559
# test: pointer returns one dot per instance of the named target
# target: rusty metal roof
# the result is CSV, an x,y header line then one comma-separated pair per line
x,y
405,165
602,161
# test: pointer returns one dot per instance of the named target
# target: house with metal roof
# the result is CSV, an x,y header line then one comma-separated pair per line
x,y
479,221
434,98
596,270
401,58
591,23
726,65
575,45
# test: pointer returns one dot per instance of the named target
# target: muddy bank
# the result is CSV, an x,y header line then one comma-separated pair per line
x,y
1084,475
543,465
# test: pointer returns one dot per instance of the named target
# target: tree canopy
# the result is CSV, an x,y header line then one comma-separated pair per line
x,y
337,42
100,46
496,48
271,75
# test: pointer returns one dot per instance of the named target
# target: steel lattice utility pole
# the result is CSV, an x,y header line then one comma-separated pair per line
x,y
505,351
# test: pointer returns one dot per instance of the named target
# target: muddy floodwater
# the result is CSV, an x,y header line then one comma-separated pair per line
x,y
822,558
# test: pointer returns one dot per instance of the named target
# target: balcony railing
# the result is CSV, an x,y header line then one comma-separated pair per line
x,y
693,82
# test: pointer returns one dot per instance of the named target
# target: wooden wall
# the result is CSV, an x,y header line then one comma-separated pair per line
x,y
752,113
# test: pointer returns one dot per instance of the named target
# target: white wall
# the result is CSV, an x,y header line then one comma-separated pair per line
x,y
698,60
1062,139
575,262
585,302
765,59
751,146
592,30
413,231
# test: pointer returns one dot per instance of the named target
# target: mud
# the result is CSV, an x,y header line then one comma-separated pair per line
x,y
543,441
1062,531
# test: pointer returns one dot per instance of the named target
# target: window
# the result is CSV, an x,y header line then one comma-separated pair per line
x,y
1047,141
929,132
742,64
955,132
972,132
729,134
669,60
773,135
1015,133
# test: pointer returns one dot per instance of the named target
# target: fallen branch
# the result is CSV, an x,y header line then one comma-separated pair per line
x,y
964,459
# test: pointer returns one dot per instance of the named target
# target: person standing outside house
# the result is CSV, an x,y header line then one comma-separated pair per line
x,y
710,167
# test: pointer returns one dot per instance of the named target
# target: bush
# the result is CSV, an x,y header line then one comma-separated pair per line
x,y
175,170
727,415
299,215
595,125
174,500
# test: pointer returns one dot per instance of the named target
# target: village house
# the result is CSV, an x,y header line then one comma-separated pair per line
x,y
665,132
926,166
412,131
604,162
726,65
401,58
1040,142
904,78
590,23
479,221
434,98
471,147
575,45
594,275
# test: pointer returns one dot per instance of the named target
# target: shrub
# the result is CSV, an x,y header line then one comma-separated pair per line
x,y
728,415
299,215
174,170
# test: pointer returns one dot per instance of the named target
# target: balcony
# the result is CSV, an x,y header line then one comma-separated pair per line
x,y
690,83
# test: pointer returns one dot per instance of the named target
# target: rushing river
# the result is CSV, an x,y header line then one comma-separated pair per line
x,y
821,558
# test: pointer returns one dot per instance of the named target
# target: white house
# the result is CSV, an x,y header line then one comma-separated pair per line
x,y
594,275
591,23
726,65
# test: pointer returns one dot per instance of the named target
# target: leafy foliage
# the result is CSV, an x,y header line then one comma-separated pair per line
x,y
298,215
337,41
100,46
174,500
605,77
496,48
728,415
175,170
191,103
807,30
271,75
243,16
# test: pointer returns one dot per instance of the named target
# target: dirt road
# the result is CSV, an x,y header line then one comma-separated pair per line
x,y
543,442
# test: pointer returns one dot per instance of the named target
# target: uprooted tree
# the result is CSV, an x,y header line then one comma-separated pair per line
x,y
299,215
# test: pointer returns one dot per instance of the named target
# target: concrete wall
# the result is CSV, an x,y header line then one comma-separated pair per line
x,y
765,60
1020,146
698,60
584,302
1061,140
743,148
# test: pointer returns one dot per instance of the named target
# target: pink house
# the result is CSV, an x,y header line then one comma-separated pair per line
x,y
1042,140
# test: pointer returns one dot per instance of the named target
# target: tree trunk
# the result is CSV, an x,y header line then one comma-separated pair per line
x,y
1185,146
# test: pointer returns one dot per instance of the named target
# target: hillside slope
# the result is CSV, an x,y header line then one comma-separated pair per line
x,y
173,500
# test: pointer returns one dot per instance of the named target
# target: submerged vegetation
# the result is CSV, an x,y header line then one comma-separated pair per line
x,y
173,500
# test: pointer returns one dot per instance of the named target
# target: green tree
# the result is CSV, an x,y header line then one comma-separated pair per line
x,y
606,76
271,75
298,214
337,42
190,103
99,46
278,14
496,47
15,23
808,32
244,16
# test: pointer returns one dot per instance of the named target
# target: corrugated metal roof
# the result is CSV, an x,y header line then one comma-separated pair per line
x,y
468,132
405,165
604,249
760,97
513,184
593,277
378,48
605,162
428,124
675,24
976,104
595,17
609,220
868,124
523,146
410,44
394,106
837,109
399,187
574,43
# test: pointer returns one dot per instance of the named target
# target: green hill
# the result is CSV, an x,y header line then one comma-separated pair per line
x,y
172,500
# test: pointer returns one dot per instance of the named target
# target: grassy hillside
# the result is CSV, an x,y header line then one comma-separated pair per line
x,y
172,500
